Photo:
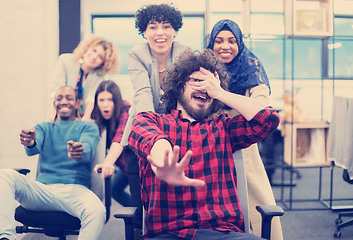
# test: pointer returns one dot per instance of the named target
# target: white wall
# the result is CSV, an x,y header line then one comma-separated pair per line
x,y
28,51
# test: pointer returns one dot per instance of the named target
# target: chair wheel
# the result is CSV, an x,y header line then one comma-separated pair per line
x,y
338,221
337,234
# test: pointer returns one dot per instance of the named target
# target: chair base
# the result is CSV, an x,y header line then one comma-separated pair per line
x,y
341,224
61,235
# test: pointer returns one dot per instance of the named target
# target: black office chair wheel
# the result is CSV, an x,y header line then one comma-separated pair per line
x,y
337,234
338,221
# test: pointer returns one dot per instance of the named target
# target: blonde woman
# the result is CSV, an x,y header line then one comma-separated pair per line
x,y
84,70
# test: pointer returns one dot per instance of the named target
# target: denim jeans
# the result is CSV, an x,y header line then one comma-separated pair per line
x,y
74,199
119,183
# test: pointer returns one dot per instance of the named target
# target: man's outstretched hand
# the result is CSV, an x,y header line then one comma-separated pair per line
x,y
27,137
165,165
74,150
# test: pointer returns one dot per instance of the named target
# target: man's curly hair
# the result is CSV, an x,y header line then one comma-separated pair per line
x,y
187,63
159,13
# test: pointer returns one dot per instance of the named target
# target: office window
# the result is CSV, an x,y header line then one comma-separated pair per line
x,y
342,50
192,33
306,61
270,53
122,32
343,26
266,24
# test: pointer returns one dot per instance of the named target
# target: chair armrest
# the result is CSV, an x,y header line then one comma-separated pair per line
x,y
127,214
107,195
267,213
23,171
270,210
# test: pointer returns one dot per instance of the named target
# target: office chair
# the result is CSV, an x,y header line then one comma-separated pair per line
x,y
267,211
339,222
54,223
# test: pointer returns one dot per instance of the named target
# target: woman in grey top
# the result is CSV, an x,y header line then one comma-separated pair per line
x,y
159,24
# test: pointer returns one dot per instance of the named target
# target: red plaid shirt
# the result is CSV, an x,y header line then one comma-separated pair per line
x,y
182,210
119,133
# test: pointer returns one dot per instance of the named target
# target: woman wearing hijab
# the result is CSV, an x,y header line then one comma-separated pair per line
x,y
247,77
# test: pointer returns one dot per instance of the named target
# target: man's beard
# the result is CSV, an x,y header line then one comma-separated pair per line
x,y
197,114
65,118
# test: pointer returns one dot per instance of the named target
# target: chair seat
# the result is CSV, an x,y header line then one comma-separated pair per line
x,y
42,219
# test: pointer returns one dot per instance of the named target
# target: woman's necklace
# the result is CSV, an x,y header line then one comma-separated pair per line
x,y
161,71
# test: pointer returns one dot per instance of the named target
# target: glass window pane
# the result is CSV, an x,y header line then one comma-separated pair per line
x,y
192,32
266,23
266,5
288,58
343,26
270,53
307,58
112,29
343,56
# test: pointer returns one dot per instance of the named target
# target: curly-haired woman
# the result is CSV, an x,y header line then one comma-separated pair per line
x,y
159,24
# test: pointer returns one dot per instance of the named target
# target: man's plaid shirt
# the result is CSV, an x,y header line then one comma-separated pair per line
x,y
182,210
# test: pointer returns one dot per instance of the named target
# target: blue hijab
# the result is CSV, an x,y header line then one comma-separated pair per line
x,y
245,70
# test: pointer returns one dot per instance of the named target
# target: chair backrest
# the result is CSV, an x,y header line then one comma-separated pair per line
x,y
242,188
99,186
96,180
